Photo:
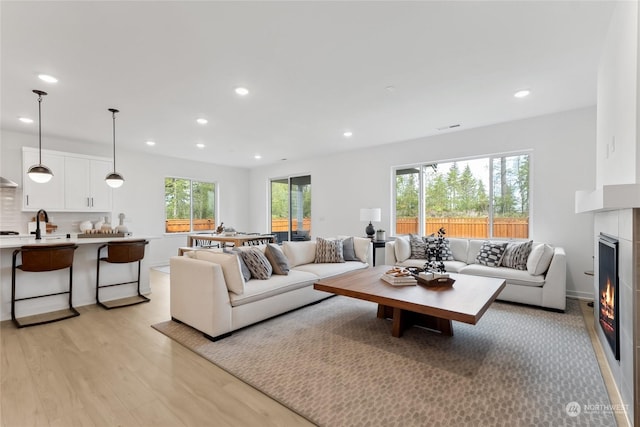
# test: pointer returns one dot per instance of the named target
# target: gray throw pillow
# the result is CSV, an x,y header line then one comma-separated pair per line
x,y
328,251
418,247
516,255
257,263
277,259
491,253
348,250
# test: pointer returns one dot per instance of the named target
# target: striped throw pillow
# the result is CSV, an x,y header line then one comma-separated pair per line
x,y
328,251
516,255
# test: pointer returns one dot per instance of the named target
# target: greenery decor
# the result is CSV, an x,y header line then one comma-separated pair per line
x,y
434,252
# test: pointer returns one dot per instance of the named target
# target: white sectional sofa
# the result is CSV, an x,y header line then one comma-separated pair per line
x,y
209,293
543,283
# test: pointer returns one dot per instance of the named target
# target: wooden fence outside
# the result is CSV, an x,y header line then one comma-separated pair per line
x,y
282,224
516,228
184,225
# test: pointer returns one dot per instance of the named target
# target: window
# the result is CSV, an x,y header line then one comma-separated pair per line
x,y
291,208
189,205
484,197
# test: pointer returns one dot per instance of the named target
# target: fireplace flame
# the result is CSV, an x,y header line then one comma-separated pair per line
x,y
607,304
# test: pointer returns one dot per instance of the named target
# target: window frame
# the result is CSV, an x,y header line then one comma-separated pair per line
x,y
289,179
421,196
216,204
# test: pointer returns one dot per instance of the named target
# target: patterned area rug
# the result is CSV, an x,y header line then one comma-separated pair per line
x,y
338,365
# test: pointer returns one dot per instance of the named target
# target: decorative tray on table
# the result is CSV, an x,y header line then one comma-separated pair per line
x,y
431,279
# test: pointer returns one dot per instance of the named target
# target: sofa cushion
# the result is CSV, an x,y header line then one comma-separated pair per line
x,y
361,246
459,249
539,259
349,250
516,255
402,248
276,258
301,252
256,290
454,266
474,249
418,247
230,268
246,273
328,250
491,253
258,264
331,269
512,276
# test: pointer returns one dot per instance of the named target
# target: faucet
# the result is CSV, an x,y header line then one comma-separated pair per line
x,y
46,219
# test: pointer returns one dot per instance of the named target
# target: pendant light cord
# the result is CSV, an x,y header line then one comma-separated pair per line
x,y
39,129
114,140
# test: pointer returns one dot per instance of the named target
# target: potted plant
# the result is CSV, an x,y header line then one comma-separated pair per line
x,y
380,234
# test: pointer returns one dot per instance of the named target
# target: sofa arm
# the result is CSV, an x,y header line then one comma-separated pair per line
x,y
390,253
554,293
199,295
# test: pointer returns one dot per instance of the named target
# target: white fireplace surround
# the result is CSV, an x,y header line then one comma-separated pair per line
x,y
608,197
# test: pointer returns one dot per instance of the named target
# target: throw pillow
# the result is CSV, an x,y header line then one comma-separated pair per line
x,y
516,255
539,259
246,274
402,249
230,268
418,247
276,258
349,250
328,251
257,263
491,253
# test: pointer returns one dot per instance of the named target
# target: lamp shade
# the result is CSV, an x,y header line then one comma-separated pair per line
x,y
370,214
40,173
114,180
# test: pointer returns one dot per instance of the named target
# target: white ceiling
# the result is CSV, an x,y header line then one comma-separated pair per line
x,y
314,69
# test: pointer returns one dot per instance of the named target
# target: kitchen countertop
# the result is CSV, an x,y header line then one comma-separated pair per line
x,y
13,242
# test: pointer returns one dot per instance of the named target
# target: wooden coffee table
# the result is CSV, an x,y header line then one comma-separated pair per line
x,y
432,307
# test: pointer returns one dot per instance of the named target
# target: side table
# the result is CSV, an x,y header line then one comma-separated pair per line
x,y
377,244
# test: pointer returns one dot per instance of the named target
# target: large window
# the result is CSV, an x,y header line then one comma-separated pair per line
x,y
291,208
189,205
484,197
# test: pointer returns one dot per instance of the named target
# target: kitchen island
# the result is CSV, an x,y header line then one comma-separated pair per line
x,y
84,275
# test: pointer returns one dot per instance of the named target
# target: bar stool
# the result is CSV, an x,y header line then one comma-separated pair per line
x,y
42,258
121,252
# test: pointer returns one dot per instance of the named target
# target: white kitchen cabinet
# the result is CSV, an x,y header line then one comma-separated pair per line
x,y
77,185
85,188
48,195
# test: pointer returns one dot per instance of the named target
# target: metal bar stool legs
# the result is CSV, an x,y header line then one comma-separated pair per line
x,y
43,258
121,253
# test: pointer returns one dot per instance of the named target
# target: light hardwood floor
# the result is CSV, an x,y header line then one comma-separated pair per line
x,y
110,368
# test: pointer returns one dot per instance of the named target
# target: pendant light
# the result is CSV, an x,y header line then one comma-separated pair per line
x,y
114,179
40,173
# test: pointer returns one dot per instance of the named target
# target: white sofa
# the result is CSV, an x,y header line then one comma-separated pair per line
x,y
209,293
546,288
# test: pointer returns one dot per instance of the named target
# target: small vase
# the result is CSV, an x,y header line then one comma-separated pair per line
x,y
380,235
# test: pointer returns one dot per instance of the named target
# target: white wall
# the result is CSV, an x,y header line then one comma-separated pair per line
x,y
563,155
141,198
618,156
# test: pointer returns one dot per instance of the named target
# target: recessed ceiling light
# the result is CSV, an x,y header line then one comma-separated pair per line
x,y
242,91
348,134
202,121
151,143
522,93
25,119
257,156
200,145
47,78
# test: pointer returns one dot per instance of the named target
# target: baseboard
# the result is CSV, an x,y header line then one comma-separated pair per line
x,y
580,295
